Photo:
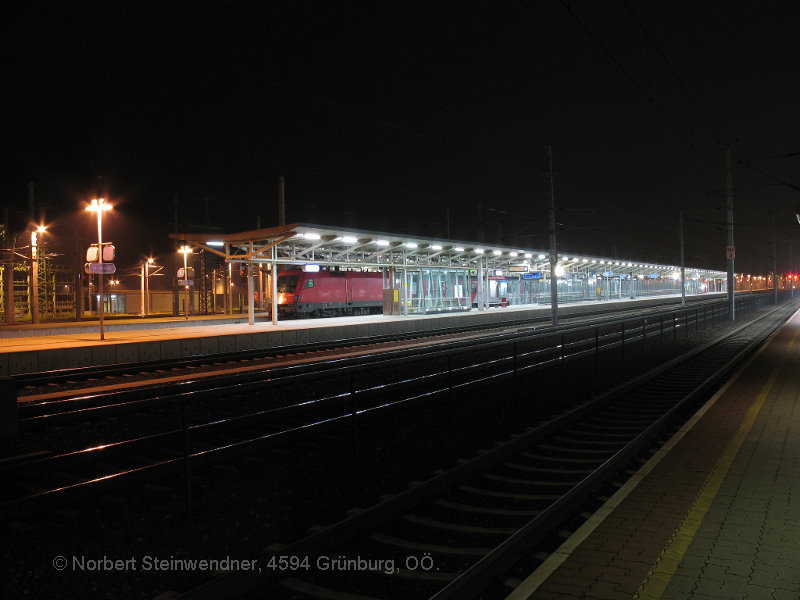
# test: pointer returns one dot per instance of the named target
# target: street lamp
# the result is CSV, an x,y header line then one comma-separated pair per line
x,y
186,251
99,206
35,273
113,299
146,286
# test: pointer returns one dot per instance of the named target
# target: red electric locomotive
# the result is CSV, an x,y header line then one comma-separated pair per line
x,y
329,293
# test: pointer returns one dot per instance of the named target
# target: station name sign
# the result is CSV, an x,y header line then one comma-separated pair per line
x,y
533,275
100,268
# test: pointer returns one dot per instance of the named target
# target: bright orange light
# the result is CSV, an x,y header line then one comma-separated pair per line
x,y
98,205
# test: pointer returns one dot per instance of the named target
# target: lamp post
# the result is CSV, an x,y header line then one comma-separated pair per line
x,y
185,250
113,283
145,304
149,262
99,206
35,273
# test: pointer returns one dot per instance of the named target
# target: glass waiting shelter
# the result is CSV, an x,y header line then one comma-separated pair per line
x,y
434,290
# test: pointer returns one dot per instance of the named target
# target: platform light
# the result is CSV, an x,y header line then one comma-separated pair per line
x,y
528,255
310,236
215,243
513,253
99,206
541,257
559,271
349,239
186,251
382,242
496,252
436,247
411,245
459,249
34,270
478,250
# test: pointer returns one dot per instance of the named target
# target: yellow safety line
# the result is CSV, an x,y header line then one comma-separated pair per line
x,y
655,584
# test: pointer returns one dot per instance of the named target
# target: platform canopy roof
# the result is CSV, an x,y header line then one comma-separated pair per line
x,y
301,244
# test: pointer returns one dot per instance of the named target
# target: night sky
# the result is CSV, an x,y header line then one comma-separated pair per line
x,y
387,116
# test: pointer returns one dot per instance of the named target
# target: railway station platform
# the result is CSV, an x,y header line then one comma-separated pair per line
x,y
714,514
44,347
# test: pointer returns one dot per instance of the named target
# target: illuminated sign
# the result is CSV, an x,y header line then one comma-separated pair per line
x,y
518,269
103,268
534,275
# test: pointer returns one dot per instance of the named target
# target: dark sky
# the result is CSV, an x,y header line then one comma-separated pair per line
x,y
382,115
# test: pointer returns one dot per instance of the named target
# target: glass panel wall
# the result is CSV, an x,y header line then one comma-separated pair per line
x,y
436,291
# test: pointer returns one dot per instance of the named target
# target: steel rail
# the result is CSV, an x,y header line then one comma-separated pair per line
x,y
36,413
107,452
65,375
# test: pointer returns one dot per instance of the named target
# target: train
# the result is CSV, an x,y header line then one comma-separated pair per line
x,y
346,293
329,293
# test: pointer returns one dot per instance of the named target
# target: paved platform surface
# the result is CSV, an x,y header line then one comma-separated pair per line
x,y
77,334
715,514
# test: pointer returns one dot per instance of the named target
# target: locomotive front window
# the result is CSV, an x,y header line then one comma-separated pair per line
x,y
309,283
287,283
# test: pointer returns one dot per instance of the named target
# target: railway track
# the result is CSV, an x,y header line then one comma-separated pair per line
x,y
76,378
61,403
460,531
342,393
